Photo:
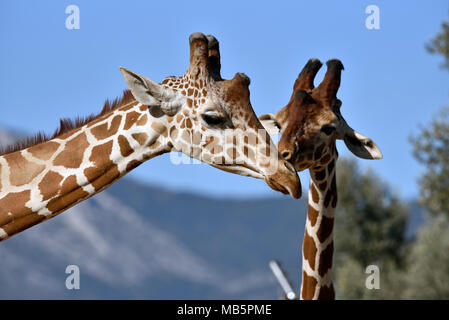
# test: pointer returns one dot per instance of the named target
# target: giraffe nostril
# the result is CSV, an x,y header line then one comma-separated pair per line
x,y
286,154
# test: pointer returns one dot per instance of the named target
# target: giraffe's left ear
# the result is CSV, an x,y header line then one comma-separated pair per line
x,y
358,144
269,122
150,93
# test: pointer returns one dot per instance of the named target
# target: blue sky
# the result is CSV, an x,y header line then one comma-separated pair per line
x,y
390,84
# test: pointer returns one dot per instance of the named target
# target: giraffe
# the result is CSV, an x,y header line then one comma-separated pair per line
x,y
310,124
198,114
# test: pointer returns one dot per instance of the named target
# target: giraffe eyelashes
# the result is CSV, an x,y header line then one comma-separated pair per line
x,y
213,119
328,130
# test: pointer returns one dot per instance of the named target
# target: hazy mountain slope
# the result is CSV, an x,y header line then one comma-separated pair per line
x,y
8,137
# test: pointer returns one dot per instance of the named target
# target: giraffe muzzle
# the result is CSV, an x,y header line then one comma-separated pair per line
x,y
285,180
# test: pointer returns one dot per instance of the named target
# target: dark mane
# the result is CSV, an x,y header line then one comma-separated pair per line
x,y
67,125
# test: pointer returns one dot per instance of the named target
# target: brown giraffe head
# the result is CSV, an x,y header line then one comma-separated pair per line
x,y
311,121
212,120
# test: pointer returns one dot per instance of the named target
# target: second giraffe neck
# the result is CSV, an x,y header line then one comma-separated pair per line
x,y
318,243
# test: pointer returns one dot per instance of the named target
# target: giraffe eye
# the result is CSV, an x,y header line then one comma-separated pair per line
x,y
212,120
328,130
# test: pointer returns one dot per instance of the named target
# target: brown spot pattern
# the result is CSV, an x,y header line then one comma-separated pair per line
x,y
70,193
308,286
325,229
320,175
323,186
173,133
334,201
314,192
326,259
312,215
142,121
330,167
102,131
131,119
100,154
72,155
69,184
61,203
15,204
44,151
22,223
49,186
125,148
159,128
140,137
133,164
309,249
327,198
22,171
326,293
104,170
155,145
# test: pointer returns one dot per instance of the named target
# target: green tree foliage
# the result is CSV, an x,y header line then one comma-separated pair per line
x,y
370,220
351,277
370,224
431,148
427,275
440,44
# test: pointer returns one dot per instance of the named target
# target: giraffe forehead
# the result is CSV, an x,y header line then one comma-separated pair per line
x,y
311,112
325,116
229,97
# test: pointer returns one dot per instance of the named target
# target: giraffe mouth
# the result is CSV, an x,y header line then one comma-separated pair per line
x,y
276,186
246,170
242,170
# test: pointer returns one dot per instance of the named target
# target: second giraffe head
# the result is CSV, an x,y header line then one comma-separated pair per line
x,y
311,121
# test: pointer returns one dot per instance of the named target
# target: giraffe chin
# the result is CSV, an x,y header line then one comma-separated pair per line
x,y
275,186
296,193
272,183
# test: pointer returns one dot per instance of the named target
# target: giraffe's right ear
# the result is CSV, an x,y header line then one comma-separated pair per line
x,y
360,145
150,93
269,122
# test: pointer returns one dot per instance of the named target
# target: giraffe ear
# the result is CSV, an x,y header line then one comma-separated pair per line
x,y
269,122
360,145
150,93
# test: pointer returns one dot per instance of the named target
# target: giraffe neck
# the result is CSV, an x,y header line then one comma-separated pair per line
x,y
318,244
43,180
